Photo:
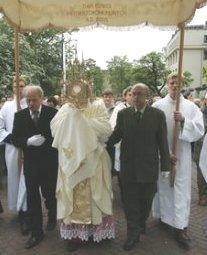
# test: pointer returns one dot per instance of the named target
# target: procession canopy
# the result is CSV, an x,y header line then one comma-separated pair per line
x,y
37,14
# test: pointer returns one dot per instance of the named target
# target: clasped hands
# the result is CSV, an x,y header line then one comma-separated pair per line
x,y
36,140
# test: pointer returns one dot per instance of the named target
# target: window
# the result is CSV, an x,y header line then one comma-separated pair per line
x,y
205,54
205,39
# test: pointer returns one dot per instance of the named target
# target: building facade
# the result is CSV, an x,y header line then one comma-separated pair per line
x,y
194,53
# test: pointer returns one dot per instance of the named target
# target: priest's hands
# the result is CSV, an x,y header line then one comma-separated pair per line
x,y
36,140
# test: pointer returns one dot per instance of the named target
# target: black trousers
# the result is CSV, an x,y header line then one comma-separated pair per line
x,y
138,199
44,180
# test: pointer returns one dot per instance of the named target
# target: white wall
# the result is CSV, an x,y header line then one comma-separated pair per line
x,y
192,55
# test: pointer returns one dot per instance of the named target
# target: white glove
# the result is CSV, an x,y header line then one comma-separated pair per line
x,y
165,177
35,140
165,174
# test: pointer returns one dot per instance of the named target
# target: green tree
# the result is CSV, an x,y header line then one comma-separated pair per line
x,y
188,78
151,70
44,61
95,74
119,73
6,58
40,58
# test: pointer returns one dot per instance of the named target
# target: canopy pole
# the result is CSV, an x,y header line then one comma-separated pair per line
x,y
176,125
16,59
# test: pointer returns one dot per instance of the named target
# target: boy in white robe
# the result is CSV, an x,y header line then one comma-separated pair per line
x,y
15,182
172,204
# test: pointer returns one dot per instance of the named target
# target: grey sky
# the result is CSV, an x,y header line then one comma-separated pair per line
x,y
102,45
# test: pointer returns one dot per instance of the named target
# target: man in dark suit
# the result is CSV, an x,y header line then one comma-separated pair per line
x,y
143,134
31,133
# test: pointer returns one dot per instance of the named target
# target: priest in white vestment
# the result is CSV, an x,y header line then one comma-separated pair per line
x,y
84,190
15,182
172,204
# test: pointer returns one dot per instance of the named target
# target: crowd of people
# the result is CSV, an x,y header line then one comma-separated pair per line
x,y
67,155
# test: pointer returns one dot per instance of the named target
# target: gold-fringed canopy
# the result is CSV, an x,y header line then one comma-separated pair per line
x,y
68,14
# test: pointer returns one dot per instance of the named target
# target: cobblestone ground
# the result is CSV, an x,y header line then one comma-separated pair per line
x,y
156,241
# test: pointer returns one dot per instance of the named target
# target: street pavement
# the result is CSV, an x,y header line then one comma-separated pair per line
x,y
156,241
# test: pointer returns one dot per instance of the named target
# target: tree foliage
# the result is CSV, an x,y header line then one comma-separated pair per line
x,y
6,57
151,70
40,58
119,73
41,61
95,74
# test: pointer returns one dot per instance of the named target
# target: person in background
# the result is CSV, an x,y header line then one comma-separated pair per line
x,y
2,153
127,102
197,101
172,204
108,99
203,158
202,185
3,169
204,106
58,99
188,95
15,178
52,102
156,98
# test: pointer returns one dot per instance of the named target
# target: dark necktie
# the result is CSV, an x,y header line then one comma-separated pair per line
x,y
35,115
138,116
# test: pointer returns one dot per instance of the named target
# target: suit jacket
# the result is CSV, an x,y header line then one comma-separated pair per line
x,y
42,157
143,144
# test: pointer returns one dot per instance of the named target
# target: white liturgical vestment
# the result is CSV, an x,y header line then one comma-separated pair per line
x,y
15,183
172,204
80,136
113,119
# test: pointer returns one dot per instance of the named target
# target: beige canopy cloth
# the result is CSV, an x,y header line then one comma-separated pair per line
x,y
36,14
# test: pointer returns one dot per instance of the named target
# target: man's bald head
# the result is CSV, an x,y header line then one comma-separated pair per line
x,y
140,92
34,95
